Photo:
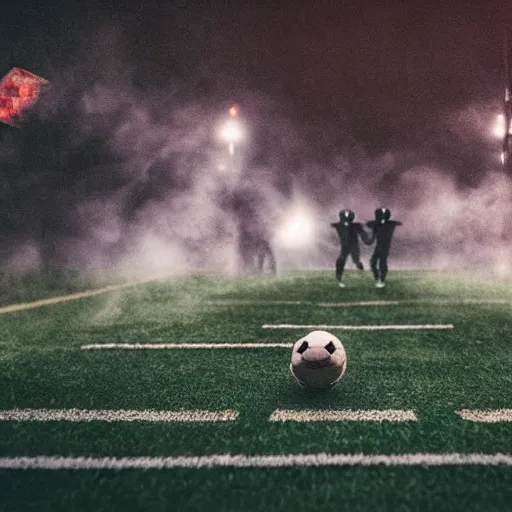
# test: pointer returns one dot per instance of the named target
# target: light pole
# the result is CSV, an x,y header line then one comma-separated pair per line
x,y
252,243
506,152
232,132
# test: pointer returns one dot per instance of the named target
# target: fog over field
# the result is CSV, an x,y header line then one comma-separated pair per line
x,y
121,162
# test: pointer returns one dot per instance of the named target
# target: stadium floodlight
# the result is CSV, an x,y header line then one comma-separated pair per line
x,y
231,130
297,229
499,128
501,131
506,150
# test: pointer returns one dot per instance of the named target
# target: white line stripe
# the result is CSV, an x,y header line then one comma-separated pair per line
x,y
116,415
229,302
486,415
90,293
156,346
248,302
413,301
257,461
474,301
359,327
392,415
361,303
73,296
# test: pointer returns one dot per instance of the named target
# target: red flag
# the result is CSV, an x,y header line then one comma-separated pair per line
x,y
19,90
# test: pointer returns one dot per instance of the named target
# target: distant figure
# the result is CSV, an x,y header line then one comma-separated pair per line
x,y
383,229
348,232
254,250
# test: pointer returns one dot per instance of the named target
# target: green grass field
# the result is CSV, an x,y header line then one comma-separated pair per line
x,y
44,365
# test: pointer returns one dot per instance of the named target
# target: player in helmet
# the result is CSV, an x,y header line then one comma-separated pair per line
x,y
348,232
383,229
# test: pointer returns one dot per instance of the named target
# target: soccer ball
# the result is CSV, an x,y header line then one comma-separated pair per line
x,y
318,360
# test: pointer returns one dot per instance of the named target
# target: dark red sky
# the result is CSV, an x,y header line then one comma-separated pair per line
x,y
393,71
353,56
320,51
366,100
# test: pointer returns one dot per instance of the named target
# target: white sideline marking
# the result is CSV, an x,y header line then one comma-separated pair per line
x,y
73,296
346,304
473,301
155,346
393,415
486,415
360,303
257,461
117,415
359,327
412,301
249,302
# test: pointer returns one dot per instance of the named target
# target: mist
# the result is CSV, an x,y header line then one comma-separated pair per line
x,y
112,171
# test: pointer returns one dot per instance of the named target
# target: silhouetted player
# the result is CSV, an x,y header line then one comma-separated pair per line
x,y
349,231
254,249
383,229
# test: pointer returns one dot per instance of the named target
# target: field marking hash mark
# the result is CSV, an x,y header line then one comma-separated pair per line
x,y
307,415
486,415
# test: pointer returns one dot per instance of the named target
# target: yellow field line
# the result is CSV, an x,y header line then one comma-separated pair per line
x,y
73,296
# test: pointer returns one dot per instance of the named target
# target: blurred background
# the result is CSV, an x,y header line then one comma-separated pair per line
x,y
199,135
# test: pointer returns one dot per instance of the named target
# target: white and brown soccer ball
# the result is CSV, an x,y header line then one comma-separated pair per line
x,y
318,360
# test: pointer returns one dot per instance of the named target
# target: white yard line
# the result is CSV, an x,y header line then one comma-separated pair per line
x,y
171,346
252,302
360,303
73,296
237,345
359,327
476,301
413,301
90,293
257,461
486,415
305,415
76,415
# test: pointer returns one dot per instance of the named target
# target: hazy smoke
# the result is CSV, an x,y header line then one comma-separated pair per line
x,y
109,172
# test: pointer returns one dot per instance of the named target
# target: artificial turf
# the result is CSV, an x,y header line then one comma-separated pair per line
x,y
433,372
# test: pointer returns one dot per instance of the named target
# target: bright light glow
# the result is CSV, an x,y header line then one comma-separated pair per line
x,y
499,126
297,229
233,111
231,131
